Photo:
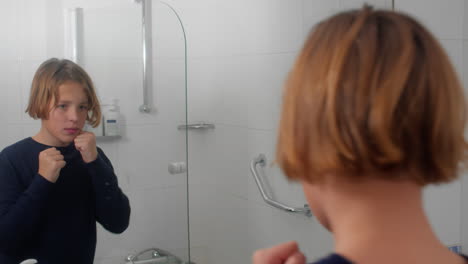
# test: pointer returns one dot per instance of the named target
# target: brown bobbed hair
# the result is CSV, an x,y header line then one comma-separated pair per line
x,y
372,94
44,89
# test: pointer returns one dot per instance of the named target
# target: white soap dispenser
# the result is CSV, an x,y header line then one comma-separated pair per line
x,y
111,121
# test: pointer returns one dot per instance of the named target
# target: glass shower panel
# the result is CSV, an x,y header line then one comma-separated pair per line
x,y
110,48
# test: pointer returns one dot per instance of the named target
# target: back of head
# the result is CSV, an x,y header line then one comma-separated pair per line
x,y
372,94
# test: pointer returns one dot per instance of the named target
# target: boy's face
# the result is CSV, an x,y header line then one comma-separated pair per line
x,y
67,115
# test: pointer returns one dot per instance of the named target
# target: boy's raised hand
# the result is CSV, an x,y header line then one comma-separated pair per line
x,y
50,163
286,253
85,143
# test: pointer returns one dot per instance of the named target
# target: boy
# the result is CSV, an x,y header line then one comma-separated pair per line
x,y
55,185
373,111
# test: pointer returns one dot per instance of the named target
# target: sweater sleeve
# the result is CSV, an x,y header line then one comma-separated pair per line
x,y
20,208
112,206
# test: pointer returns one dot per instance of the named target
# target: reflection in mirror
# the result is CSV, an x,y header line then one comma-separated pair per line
x,y
105,39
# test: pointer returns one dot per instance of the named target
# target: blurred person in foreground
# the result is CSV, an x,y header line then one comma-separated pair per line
x,y
372,112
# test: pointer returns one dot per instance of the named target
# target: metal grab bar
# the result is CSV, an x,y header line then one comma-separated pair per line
x,y
261,160
201,125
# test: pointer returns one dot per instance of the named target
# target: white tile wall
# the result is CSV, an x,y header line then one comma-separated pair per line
x,y
242,27
265,90
315,11
145,152
443,18
231,80
442,204
172,217
464,213
229,242
201,254
32,29
238,90
26,71
168,82
10,80
218,159
218,225
96,4
55,28
353,4
464,74
9,15
454,49
205,89
201,213
465,19
112,32
168,38
464,179
14,133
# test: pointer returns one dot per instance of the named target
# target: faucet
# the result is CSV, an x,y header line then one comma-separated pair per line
x,y
158,256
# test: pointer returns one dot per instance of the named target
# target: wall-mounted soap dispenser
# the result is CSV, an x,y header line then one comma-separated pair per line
x,y
111,121
110,118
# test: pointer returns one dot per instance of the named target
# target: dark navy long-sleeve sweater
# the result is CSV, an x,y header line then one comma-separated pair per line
x,y
55,223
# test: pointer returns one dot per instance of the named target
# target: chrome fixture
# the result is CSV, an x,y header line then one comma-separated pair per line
x,y
261,160
157,256
177,167
76,28
201,125
147,23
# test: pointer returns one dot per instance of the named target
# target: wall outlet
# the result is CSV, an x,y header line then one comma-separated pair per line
x,y
455,248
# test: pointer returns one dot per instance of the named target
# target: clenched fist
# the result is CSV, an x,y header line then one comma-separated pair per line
x,y
287,253
50,163
85,143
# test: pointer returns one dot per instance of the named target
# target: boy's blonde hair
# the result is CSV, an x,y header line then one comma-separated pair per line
x,y
372,94
44,89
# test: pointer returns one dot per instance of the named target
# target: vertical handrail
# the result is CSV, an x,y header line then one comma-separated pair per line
x,y
147,53
76,23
